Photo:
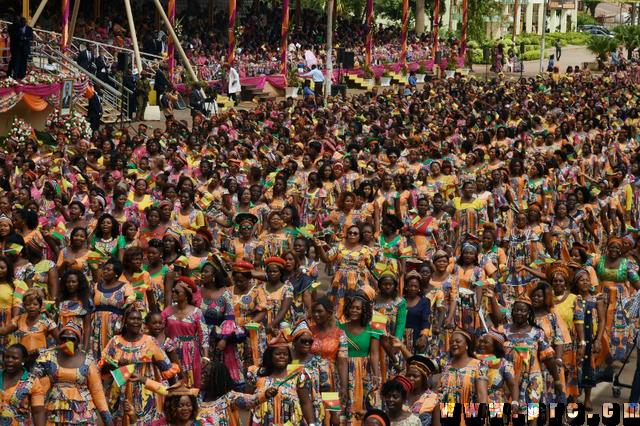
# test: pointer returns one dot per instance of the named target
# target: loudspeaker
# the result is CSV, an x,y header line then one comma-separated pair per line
x,y
340,57
339,88
123,61
522,47
348,60
438,57
486,54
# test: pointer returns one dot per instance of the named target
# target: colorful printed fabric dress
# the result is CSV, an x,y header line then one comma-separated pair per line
x,y
246,306
315,378
32,337
437,300
74,394
618,299
285,407
522,250
595,368
396,313
569,310
19,398
557,334
191,335
145,354
526,354
424,406
106,319
458,385
224,410
351,274
71,310
330,346
361,392
498,373
219,315
157,284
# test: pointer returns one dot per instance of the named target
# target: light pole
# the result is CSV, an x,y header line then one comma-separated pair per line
x,y
329,67
544,32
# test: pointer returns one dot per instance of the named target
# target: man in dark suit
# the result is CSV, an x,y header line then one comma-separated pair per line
x,y
195,100
94,111
14,38
102,69
85,58
161,81
24,48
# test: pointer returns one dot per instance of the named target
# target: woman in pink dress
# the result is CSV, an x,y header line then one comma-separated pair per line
x,y
185,324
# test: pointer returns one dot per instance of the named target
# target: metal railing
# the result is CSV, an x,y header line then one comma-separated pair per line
x,y
117,101
111,51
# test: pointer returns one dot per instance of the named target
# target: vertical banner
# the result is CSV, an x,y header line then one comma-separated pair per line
x,y
231,53
171,50
285,37
463,44
436,24
405,19
65,25
369,46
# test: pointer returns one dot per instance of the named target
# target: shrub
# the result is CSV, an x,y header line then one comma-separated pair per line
x,y
586,19
531,55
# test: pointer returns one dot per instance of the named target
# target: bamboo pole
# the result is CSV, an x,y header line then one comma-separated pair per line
x,y
36,15
164,17
74,19
134,37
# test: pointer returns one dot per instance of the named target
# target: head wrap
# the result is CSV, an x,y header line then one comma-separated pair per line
x,y
497,336
422,364
406,383
280,341
523,298
166,203
205,233
469,245
186,283
179,389
101,200
275,261
630,239
378,415
246,217
439,254
31,175
72,326
559,268
175,234
37,242
535,206
464,333
579,273
612,240
412,274
301,328
6,219
242,266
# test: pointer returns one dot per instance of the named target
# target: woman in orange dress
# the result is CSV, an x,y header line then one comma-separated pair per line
x,y
72,384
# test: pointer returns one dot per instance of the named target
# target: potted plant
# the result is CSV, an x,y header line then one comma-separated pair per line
x,y
450,69
468,64
293,83
368,76
385,80
421,72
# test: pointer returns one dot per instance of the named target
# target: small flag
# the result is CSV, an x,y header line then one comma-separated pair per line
x,y
68,348
49,305
122,374
331,401
523,352
252,326
315,285
294,368
148,357
19,291
378,324
181,262
14,248
60,231
490,359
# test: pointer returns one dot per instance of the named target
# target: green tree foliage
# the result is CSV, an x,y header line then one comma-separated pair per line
x,y
629,36
600,46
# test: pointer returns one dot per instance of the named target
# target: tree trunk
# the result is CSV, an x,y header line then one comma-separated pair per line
x,y
298,13
419,17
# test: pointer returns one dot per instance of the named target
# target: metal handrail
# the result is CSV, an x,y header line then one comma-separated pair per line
x,y
110,46
110,95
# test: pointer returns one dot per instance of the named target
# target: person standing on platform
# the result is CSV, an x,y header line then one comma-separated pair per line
x,y
317,77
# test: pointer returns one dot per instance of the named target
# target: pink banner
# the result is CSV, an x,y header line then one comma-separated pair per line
x,y
369,29
284,45
277,81
65,25
171,9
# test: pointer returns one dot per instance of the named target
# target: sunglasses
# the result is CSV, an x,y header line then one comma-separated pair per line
x,y
306,341
68,339
246,227
353,233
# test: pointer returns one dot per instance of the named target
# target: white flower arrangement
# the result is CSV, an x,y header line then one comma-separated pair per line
x,y
20,130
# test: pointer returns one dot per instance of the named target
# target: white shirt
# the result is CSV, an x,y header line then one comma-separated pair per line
x,y
316,75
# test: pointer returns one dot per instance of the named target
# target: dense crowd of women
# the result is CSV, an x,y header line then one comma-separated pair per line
x,y
480,232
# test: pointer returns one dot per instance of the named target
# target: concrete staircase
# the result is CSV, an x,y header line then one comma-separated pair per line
x,y
224,103
355,82
397,78
249,92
